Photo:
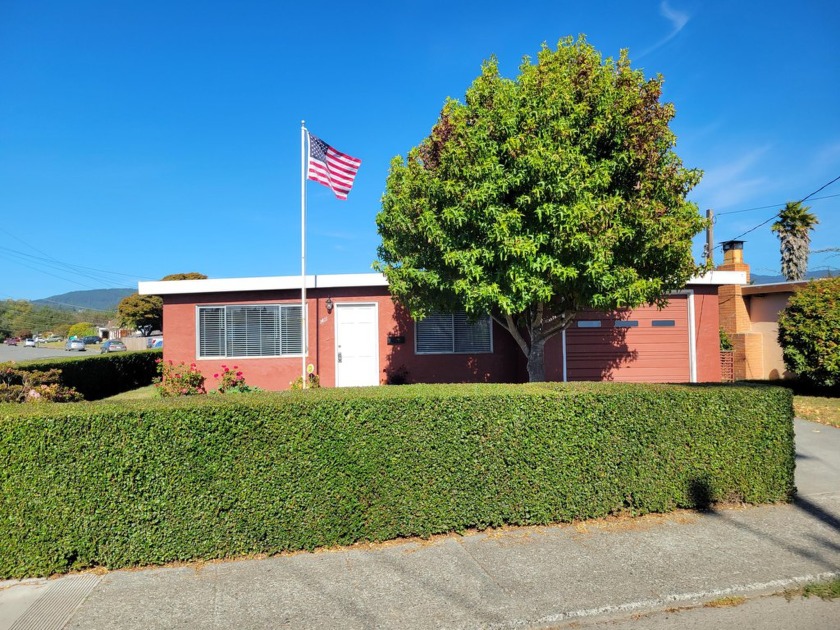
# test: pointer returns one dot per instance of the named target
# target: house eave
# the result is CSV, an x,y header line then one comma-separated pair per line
x,y
264,283
333,281
717,277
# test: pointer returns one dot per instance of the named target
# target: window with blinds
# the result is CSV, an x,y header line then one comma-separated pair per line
x,y
261,330
452,333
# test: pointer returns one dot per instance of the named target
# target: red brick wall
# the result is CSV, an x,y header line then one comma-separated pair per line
x,y
505,364
707,331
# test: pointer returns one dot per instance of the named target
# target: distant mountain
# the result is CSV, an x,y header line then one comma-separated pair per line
x,y
759,279
95,299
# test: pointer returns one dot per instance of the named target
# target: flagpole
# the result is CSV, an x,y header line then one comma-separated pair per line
x,y
304,349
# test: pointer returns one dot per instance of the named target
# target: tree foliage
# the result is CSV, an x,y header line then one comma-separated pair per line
x,y
793,228
21,318
141,312
145,312
542,196
809,332
81,329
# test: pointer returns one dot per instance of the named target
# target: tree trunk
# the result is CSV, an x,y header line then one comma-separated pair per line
x,y
536,360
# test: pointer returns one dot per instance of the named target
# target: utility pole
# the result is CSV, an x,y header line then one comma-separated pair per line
x,y
710,238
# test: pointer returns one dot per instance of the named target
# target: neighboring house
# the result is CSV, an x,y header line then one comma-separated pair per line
x,y
358,335
113,331
750,316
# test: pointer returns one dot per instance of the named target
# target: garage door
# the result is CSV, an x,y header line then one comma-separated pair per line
x,y
642,345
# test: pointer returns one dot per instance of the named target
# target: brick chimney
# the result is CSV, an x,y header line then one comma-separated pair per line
x,y
733,258
735,317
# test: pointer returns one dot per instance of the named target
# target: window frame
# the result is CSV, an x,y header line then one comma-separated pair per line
x,y
281,306
489,349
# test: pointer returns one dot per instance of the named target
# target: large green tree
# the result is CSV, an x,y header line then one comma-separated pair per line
x,y
793,227
809,332
145,312
542,196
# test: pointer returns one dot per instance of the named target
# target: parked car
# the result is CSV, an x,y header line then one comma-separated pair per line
x,y
75,344
29,343
112,345
91,339
52,339
12,341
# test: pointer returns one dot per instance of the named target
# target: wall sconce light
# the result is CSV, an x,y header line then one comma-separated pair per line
x,y
329,305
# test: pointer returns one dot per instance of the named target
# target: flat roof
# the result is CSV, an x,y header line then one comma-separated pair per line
x,y
263,283
333,281
720,277
774,287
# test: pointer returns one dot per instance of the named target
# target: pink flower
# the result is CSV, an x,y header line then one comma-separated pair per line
x,y
215,376
239,373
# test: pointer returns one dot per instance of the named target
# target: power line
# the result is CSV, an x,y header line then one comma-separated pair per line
x,y
775,216
775,205
52,267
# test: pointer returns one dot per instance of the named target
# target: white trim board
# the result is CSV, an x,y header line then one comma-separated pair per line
x,y
267,283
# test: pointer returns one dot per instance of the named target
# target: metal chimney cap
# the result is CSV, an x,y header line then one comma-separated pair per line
x,y
727,245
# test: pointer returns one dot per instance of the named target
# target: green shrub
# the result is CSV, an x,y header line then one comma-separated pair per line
x,y
232,381
102,375
33,386
809,333
203,477
178,379
82,329
313,381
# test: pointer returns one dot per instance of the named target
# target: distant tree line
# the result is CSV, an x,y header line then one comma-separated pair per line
x,y
21,318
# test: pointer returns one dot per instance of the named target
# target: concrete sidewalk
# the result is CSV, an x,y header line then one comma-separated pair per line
x,y
525,577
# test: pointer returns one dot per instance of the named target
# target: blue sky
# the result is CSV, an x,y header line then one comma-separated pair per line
x,y
139,139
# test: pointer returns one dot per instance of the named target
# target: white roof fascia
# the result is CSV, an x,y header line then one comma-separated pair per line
x,y
334,281
720,277
266,283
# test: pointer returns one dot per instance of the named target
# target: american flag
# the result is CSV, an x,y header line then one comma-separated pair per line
x,y
332,168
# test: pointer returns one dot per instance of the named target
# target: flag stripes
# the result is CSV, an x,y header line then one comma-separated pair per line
x,y
333,169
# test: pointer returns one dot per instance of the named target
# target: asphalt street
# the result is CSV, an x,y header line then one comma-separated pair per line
x,y
21,353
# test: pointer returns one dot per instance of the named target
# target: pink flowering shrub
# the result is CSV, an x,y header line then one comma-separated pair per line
x,y
179,379
34,386
231,380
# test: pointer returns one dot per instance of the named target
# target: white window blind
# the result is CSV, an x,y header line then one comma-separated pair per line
x,y
211,326
453,333
262,330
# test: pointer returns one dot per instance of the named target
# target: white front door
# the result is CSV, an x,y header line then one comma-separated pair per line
x,y
356,345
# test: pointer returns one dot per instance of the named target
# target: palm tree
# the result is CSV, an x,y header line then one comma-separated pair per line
x,y
793,228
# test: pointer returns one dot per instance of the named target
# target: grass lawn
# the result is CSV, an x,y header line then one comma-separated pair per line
x,y
141,393
817,409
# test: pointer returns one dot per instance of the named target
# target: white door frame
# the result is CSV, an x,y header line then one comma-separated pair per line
x,y
339,305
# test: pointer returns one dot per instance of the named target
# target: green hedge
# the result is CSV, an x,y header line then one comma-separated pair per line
x,y
149,482
102,375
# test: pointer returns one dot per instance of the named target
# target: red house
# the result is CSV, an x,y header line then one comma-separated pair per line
x,y
357,335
